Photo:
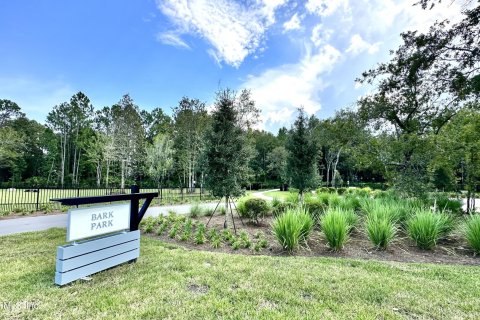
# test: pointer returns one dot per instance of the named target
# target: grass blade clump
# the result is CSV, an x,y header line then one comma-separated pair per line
x,y
473,232
381,231
292,228
335,227
426,227
196,211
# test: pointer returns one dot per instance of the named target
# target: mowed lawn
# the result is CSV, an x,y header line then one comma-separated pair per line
x,y
174,283
282,195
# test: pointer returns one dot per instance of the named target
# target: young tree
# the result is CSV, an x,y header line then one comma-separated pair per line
x,y
227,154
302,155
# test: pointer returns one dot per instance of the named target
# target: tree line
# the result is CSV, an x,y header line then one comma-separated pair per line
x,y
417,130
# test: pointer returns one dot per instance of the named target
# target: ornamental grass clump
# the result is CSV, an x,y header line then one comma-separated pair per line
x,y
380,230
472,232
293,228
200,234
196,211
426,227
335,228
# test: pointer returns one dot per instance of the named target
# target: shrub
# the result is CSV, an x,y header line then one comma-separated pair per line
x,y
254,209
323,198
279,207
292,198
334,200
444,203
341,190
335,227
315,208
472,232
426,227
292,228
380,230
350,202
196,211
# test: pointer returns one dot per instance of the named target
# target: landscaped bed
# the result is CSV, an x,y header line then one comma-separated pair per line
x,y
451,250
384,228
169,281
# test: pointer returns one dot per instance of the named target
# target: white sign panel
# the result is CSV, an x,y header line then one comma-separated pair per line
x,y
93,221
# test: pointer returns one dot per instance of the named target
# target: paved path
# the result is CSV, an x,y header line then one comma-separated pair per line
x,y
38,223
262,196
477,204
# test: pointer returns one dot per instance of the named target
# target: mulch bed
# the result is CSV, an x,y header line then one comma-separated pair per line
x,y
449,251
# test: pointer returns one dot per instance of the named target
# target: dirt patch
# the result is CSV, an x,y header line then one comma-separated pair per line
x,y
450,251
198,289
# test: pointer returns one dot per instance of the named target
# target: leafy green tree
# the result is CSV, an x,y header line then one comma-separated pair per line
x,y
190,123
302,155
226,154
12,148
8,111
277,164
160,158
156,122
128,138
459,145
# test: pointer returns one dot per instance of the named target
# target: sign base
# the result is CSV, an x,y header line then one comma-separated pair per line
x,y
83,259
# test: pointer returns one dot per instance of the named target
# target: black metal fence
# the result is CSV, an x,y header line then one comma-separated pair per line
x,y
38,199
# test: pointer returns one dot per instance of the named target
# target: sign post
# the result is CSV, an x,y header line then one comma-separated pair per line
x,y
108,235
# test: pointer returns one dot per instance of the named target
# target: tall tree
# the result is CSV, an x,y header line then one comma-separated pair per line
x,y
191,120
9,110
128,138
160,159
156,122
227,153
302,155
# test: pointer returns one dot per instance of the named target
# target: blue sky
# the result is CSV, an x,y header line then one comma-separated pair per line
x,y
289,53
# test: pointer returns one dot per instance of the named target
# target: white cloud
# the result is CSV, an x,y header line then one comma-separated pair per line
x,y
280,91
173,39
234,30
358,45
320,35
325,8
292,24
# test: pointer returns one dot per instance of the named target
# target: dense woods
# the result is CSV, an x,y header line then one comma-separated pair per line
x,y
417,130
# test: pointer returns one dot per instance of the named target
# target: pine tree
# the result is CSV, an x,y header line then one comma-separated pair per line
x,y
302,154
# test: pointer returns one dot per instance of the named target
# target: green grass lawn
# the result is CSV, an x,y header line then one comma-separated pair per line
x,y
282,195
175,283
